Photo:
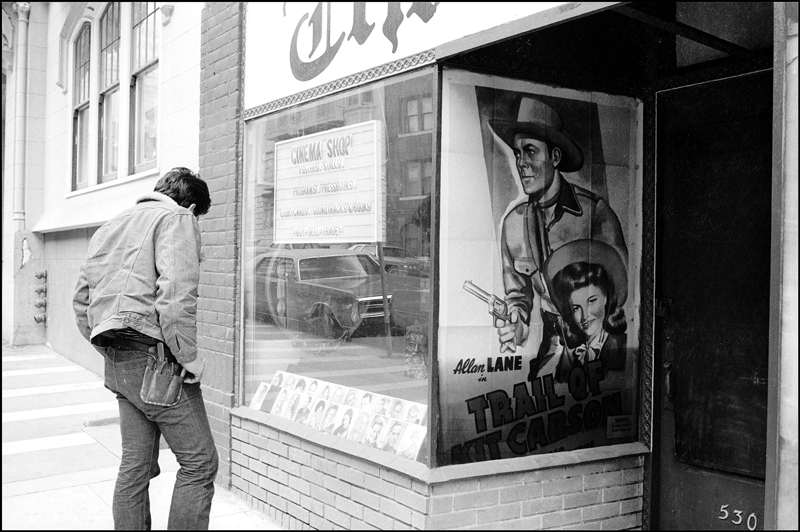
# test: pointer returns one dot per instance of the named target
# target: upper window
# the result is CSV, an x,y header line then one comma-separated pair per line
x,y
80,114
102,112
144,85
109,93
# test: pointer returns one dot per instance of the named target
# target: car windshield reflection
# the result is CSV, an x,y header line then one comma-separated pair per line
x,y
337,266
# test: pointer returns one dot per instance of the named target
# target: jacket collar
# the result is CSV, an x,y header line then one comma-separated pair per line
x,y
155,196
567,201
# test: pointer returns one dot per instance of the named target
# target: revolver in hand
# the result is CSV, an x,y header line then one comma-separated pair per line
x,y
497,308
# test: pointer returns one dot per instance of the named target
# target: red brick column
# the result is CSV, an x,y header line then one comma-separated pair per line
x,y
221,166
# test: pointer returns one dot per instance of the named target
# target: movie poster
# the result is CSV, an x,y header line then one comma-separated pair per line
x,y
539,321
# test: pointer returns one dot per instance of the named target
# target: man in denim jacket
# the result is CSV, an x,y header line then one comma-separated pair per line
x,y
138,287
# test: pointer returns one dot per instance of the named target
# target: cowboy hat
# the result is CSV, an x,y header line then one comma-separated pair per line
x,y
591,252
541,122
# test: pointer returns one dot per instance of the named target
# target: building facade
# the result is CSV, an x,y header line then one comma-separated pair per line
x,y
377,217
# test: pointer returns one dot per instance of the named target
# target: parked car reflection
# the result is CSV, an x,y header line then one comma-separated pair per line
x,y
332,293
397,260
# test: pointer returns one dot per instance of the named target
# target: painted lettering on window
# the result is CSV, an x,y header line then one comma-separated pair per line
x,y
360,30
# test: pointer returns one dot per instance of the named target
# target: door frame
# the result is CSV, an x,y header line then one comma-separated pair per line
x,y
652,373
651,368
776,333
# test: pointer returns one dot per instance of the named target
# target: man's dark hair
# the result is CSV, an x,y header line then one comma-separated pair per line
x,y
185,187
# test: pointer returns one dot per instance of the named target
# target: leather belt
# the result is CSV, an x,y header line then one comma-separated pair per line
x,y
133,345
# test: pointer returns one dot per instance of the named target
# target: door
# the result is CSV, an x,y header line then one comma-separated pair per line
x,y
714,182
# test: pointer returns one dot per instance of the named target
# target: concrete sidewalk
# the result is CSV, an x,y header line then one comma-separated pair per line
x,y
61,452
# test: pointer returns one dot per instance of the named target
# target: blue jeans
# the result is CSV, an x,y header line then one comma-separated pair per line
x,y
186,429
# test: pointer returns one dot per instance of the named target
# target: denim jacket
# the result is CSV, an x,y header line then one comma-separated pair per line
x,y
142,271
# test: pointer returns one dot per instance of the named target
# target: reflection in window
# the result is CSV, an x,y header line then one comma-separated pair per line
x,y
336,267
418,178
333,302
418,114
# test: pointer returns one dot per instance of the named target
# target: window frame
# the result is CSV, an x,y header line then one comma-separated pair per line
x,y
268,126
81,105
99,94
109,88
139,73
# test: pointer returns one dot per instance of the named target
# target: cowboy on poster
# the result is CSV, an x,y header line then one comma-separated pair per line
x,y
539,323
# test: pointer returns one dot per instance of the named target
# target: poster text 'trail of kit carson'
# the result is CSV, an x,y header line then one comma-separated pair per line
x,y
360,30
537,416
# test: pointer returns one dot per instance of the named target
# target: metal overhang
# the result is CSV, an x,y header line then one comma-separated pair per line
x,y
530,23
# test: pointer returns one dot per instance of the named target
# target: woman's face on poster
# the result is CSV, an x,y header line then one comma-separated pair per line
x,y
589,309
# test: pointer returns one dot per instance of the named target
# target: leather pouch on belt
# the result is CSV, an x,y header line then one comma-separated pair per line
x,y
162,383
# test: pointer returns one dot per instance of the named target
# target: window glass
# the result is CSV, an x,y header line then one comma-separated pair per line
x,y
145,34
369,387
109,92
82,63
144,89
146,120
81,161
109,135
109,46
80,115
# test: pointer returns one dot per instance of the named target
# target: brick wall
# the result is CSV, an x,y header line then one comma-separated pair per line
x,y
605,494
302,484
221,167
311,482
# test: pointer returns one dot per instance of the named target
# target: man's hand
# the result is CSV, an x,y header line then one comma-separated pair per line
x,y
512,333
196,368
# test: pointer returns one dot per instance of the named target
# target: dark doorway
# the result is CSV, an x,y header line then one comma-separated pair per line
x,y
714,175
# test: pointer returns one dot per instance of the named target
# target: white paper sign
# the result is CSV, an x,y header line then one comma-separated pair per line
x,y
330,187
